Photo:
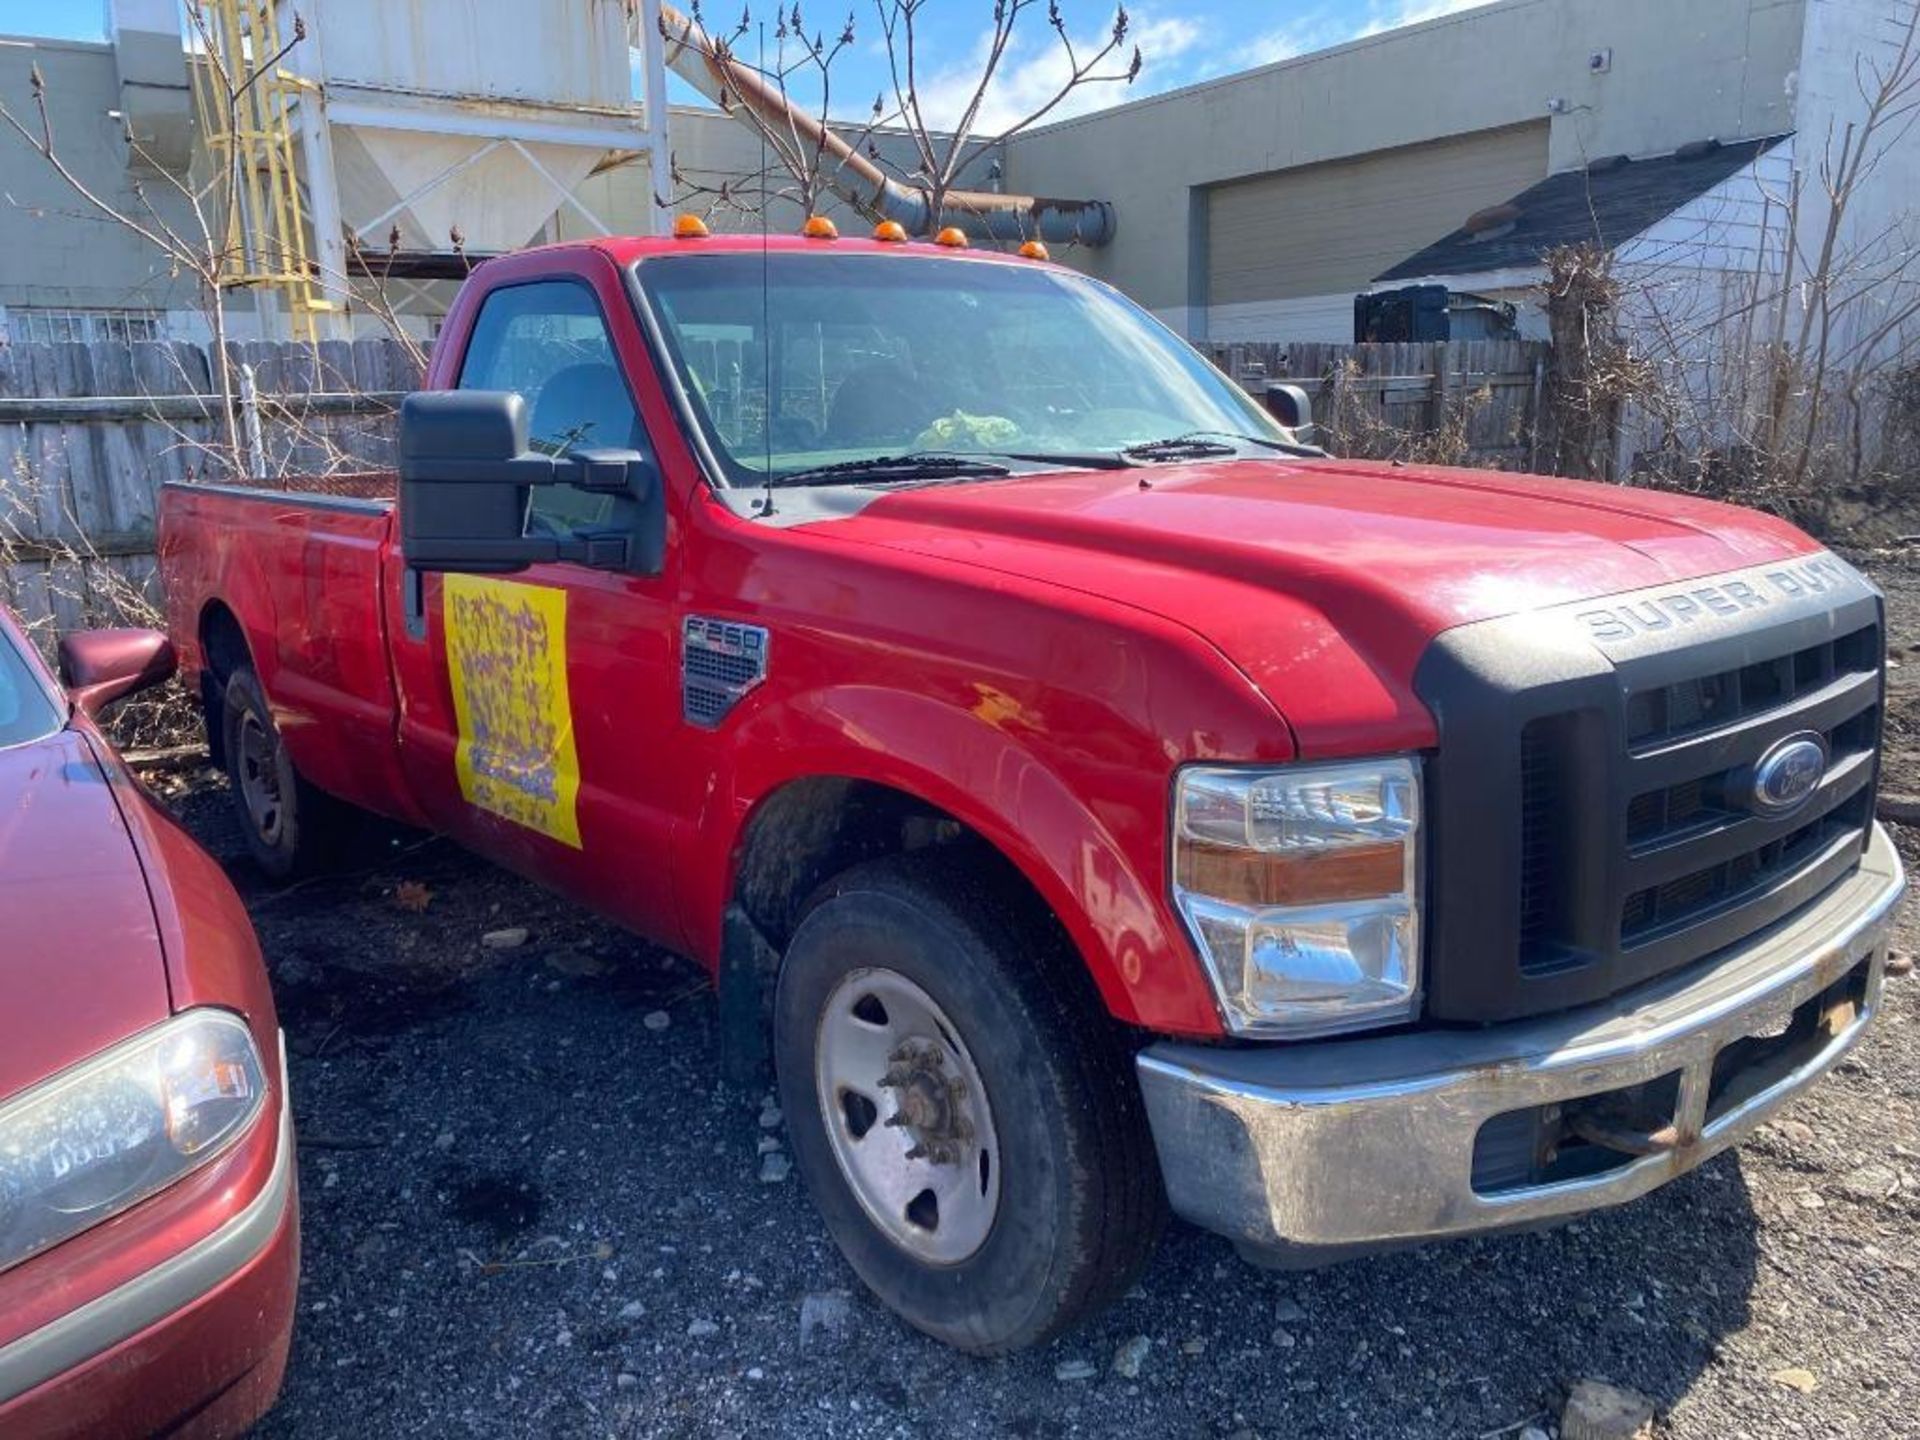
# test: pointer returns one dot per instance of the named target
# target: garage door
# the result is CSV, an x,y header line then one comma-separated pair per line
x,y
1328,229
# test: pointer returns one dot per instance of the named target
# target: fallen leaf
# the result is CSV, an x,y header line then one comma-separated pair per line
x,y
412,895
1805,1381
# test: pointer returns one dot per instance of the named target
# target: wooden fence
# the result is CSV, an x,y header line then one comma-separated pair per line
x,y
89,433
1474,402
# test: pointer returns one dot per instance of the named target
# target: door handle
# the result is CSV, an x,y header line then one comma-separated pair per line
x,y
413,603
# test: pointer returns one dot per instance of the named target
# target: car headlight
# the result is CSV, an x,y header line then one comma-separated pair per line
x,y
105,1135
1300,889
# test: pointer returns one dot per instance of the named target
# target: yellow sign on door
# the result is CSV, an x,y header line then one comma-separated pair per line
x,y
507,660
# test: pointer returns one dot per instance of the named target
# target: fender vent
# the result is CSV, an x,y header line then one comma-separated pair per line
x,y
720,661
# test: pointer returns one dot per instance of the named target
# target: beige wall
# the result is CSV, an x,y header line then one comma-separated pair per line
x,y
1681,70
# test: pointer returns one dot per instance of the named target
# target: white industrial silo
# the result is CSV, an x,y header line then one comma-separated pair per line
x,y
428,118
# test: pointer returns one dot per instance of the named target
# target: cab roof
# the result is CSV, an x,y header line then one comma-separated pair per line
x,y
624,249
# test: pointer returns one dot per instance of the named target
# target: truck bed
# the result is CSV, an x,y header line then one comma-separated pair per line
x,y
290,575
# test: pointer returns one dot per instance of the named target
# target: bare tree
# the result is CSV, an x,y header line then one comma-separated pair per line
x,y
944,154
204,245
1783,385
199,231
787,99
190,222
804,160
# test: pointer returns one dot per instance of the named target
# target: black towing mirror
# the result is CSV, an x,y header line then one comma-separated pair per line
x,y
466,472
1290,406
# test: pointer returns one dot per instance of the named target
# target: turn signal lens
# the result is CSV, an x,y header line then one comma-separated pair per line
x,y
1034,250
819,227
1300,889
689,227
892,232
953,237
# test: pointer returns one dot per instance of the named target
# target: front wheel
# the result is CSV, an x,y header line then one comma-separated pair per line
x,y
964,1117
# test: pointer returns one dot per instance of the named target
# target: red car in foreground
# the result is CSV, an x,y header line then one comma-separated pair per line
x,y
149,1220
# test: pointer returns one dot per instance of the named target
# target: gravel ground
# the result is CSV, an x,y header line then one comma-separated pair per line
x,y
530,1210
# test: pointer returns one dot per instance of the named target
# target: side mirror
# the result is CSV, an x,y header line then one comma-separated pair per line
x,y
466,469
99,667
1290,406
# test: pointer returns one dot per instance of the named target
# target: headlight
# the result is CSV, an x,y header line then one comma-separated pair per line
x,y
103,1136
1300,887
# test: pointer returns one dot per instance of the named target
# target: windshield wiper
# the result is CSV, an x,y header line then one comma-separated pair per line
x,y
894,467
1069,460
1178,447
1200,444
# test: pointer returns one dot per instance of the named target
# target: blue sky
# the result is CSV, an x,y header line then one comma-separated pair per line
x,y
1183,41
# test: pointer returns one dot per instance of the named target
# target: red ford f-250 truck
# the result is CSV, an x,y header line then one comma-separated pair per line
x,y
1094,800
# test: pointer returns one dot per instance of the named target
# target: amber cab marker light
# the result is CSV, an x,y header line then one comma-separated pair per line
x,y
953,237
1034,250
892,232
689,227
818,227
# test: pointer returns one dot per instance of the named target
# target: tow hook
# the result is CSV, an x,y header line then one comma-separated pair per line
x,y
1616,1122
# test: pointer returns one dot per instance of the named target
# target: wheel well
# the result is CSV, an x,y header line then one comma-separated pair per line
x,y
797,840
810,830
223,646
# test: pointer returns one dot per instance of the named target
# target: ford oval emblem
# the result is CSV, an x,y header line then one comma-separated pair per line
x,y
1789,773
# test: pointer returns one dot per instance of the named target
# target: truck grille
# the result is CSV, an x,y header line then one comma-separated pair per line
x,y
1636,845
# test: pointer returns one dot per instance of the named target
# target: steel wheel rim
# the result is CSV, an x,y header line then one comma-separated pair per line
x,y
260,779
893,1078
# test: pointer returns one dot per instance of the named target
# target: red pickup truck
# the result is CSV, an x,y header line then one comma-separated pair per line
x,y
1090,798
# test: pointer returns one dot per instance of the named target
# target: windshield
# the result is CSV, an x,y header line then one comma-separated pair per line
x,y
851,358
25,711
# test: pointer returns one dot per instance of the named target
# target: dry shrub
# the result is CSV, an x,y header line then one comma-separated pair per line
x,y
1358,427
86,586
1594,375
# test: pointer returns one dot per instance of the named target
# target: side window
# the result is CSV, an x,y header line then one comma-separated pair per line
x,y
549,341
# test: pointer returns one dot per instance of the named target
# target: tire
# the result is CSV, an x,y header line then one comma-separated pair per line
x,y
291,829
934,958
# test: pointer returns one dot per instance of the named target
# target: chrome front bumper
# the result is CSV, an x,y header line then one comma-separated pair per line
x,y
1304,1154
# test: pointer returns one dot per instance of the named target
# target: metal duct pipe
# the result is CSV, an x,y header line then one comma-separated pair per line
x,y
856,179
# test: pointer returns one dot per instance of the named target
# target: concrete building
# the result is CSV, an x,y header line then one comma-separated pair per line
x,y
1257,206
72,273
1251,207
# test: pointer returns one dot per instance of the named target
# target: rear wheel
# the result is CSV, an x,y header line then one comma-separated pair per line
x,y
965,1118
290,827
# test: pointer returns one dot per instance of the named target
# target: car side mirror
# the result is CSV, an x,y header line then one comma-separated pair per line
x,y
99,667
1290,406
466,471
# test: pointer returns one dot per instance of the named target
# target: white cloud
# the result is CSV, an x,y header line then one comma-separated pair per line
x,y
1035,66
1306,36
1413,12
1177,49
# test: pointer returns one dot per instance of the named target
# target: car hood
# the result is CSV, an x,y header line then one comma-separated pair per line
x,y
80,960
1325,580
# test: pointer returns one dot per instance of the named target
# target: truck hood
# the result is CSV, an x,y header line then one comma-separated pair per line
x,y
80,962
1325,580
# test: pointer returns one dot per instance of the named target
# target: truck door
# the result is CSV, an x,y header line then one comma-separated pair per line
x,y
537,717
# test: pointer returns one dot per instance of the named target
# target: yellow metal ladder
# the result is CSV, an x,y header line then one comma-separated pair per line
x,y
245,100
